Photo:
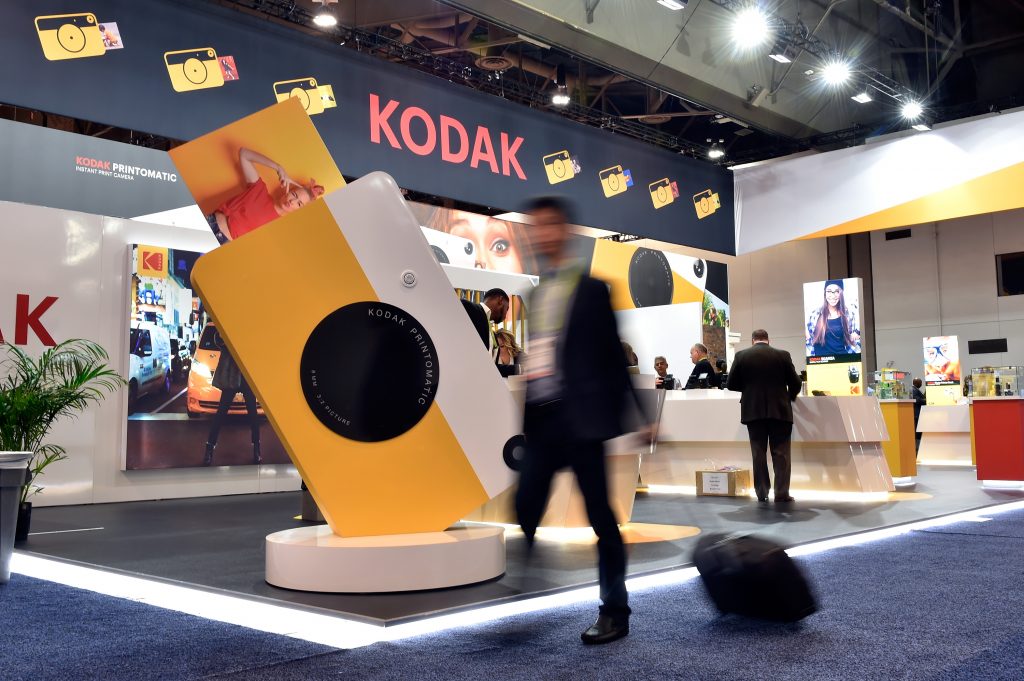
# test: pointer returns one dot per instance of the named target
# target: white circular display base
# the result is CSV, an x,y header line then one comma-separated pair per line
x,y
316,559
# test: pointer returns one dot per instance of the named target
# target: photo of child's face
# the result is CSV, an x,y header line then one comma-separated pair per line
x,y
493,241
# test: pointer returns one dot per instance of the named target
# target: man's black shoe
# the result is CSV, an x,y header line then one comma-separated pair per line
x,y
605,630
762,500
784,500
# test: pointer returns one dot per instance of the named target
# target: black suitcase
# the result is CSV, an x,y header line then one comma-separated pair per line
x,y
753,576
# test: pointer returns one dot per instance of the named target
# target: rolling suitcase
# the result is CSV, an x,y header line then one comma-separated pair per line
x,y
753,576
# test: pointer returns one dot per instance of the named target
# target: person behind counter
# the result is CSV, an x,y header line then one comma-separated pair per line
x,y
770,384
509,358
664,380
703,374
919,401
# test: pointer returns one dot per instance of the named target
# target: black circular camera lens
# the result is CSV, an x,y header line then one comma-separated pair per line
x,y
698,268
439,253
650,278
369,371
514,451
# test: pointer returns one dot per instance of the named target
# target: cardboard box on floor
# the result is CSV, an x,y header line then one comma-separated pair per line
x,y
723,483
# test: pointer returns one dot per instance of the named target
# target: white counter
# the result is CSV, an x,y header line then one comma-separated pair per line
x,y
836,441
945,435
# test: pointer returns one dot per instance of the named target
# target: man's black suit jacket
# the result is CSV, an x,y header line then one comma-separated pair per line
x,y
597,392
768,381
479,319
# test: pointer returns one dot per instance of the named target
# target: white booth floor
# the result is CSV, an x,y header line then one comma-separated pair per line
x,y
218,543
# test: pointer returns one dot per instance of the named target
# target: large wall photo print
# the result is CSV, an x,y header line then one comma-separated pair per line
x,y
178,382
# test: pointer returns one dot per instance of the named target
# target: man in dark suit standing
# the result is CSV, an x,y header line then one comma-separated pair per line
x,y
479,319
578,391
769,384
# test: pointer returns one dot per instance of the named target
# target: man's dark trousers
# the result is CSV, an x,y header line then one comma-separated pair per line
x,y
776,434
548,449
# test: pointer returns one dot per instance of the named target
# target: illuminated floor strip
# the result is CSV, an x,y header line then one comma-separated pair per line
x,y
341,633
82,529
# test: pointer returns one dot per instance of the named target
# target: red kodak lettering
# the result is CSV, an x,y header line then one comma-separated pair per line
x,y
508,156
428,146
379,121
448,124
23,320
483,150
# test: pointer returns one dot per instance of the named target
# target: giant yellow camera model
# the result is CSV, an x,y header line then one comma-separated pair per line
x,y
706,203
662,193
70,36
305,90
559,167
615,180
195,69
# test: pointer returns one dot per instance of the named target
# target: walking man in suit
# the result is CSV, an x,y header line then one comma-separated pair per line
x,y
769,384
578,391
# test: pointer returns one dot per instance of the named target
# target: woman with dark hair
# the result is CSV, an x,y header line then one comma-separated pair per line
x,y
499,245
833,329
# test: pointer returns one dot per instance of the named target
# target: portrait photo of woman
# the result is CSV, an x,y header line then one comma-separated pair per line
x,y
833,325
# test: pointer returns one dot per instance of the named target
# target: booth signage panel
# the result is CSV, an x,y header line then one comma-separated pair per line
x,y
942,370
833,336
182,69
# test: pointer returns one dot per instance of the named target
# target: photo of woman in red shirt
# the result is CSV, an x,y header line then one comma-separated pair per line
x,y
256,206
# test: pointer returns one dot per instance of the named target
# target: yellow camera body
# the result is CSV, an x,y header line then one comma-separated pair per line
x,y
613,181
558,167
195,69
305,90
706,203
661,193
70,36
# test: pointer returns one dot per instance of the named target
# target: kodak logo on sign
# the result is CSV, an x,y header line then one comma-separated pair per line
x,y
152,262
417,130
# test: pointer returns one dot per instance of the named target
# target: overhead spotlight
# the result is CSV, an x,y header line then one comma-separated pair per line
x,y
673,4
750,28
836,72
912,110
716,152
324,17
561,96
862,98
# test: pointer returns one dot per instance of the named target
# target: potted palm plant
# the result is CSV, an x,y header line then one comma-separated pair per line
x,y
35,393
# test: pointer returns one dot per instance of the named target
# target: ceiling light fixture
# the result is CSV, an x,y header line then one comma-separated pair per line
x,y
750,28
561,97
836,72
782,52
716,152
922,126
862,98
324,17
673,4
912,110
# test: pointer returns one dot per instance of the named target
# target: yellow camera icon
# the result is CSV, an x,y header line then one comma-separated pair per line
x,y
305,90
558,167
706,203
195,69
661,192
70,36
613,181
327,96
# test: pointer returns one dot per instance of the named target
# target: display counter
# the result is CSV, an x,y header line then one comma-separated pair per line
x,y
945,435
999,437
901,447
836,447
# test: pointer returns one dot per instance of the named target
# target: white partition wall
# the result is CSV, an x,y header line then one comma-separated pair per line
x,y
942,281
82,260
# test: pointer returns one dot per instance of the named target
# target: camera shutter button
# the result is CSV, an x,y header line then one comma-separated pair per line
x,y
408,278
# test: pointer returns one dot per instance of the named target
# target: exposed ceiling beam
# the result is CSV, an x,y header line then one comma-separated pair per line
x,y
907,18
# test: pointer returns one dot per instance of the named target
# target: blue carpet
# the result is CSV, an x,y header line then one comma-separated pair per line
x,y
937,604
52,631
